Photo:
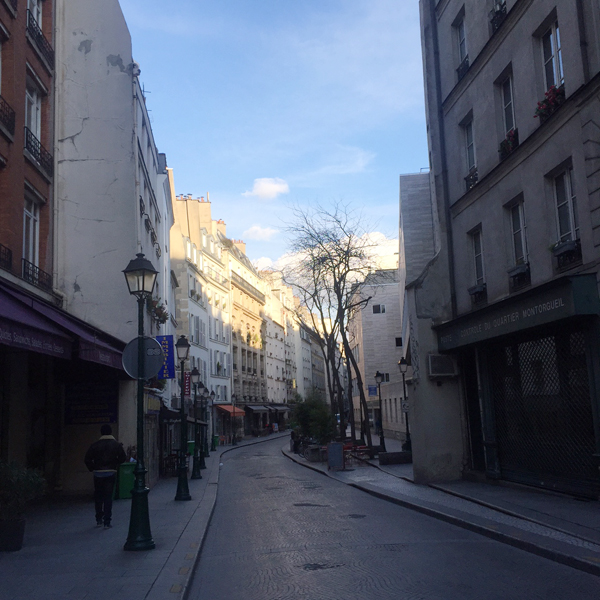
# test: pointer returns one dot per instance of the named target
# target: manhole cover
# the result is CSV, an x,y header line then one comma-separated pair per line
x,y
356,516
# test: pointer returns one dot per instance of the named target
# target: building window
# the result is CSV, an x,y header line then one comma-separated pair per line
x,y
398,342
552,56
478,256
35,8
566,207
462,40
33,110
31,218
378,308
517,218
508,111
470,145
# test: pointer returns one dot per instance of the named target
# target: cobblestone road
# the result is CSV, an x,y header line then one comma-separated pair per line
x,y
280,531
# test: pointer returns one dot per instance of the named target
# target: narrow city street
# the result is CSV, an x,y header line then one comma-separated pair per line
x,y
280,530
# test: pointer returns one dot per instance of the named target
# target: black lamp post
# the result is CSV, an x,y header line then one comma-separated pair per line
x,y
141,277
205,412
403,366
196,474
233,399
183,492
213,445
379,379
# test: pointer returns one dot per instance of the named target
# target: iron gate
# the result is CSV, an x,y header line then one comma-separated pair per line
x,y
542,406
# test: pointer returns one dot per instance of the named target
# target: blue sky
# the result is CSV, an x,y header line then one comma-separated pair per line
x,y
270,103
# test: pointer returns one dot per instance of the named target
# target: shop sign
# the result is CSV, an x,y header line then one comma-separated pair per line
x,y
18,336
167,371
372,390
575,296
89,403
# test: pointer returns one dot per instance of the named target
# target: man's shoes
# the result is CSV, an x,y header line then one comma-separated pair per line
x,y
98,523
107,525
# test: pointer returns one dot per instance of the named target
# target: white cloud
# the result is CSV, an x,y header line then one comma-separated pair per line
x,y
268,188
262,263
256,232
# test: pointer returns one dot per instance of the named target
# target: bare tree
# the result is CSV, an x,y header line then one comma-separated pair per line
x,y
333,256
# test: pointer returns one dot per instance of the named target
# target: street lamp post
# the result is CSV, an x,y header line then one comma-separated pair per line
x,y
379,379
212,398
233,399
213,444
183,492
403,365
141,277
196,474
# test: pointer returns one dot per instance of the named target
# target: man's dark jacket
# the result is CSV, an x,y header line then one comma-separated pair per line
x,y
105,455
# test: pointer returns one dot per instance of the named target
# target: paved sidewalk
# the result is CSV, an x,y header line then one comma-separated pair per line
x,y
555,526
66,557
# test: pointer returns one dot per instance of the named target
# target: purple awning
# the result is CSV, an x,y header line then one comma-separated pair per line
x,y
43,318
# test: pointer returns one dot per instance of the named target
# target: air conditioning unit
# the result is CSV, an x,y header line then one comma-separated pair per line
x,y
441,365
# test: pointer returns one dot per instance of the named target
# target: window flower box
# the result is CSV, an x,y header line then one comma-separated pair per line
x,y
519,276
553,99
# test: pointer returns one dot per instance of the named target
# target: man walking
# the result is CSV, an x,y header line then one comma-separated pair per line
x,y
103,457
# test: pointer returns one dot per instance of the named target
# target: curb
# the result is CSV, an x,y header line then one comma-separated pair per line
x,y
529,542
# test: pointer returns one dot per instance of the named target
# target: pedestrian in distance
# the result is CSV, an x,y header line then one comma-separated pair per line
x,y
103,458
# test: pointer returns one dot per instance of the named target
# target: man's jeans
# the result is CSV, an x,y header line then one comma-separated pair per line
x,y
103,496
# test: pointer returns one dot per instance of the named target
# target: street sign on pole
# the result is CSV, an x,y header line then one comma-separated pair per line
x,y
405,406
153,360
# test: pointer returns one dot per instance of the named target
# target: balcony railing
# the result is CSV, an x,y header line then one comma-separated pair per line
x,y
36,276
7,116
463,68
33,29
472,178
240,282
497,15
5,258
567,254
509,144
39,153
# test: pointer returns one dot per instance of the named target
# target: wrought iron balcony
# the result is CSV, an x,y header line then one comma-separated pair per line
x,y
39,153
519,277
508,145
36,276
463,68
478,294
5,258
44,47
7,116
567,254
497,15
472,178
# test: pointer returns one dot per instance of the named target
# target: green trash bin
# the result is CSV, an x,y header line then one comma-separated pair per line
x,y
191,447
215,441
125,479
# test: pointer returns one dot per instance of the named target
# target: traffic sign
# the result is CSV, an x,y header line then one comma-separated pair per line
x,y
405,406
153,358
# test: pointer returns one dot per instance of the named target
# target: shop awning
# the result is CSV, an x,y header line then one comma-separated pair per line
x,y
231,410
257,408
23,328
279,407
90,344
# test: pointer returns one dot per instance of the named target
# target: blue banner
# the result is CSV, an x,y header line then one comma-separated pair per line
x,y
167,371
372,389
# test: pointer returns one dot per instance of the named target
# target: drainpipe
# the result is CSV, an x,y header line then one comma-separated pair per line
x,y
583,41
444,165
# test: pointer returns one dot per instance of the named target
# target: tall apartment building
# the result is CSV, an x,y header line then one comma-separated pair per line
x,y
513,110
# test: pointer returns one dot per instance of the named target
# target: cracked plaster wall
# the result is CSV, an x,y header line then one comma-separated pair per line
x,y
96,175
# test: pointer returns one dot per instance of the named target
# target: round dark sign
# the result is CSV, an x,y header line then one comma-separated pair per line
x,y
153,358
